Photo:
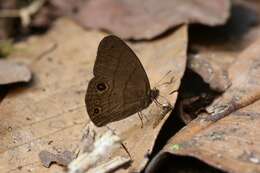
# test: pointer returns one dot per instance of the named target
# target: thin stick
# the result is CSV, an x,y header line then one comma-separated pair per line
x,y
24,13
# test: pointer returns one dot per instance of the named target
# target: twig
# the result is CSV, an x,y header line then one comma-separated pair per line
x,y
102,147
111,165
24,13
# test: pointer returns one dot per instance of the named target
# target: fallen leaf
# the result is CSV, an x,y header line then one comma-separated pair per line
x,y
53,108
213,50
13,73
212,73
48,158
101,148
144,20
245,88
231,143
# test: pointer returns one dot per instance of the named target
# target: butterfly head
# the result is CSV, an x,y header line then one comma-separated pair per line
x,y
154,94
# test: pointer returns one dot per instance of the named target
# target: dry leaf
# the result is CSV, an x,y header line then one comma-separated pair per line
x,y
144,20
53,108
213,50
12,73
230,144
48,158
245,88
101,148
211,72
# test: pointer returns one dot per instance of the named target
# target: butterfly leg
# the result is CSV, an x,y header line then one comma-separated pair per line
x,y
141,118
121,143
126,150
143,115
163,106
158,103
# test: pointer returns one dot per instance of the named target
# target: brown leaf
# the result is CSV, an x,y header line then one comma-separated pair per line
x,y
212,72
213,50
53,108
230,144
144,20
12,73
245,88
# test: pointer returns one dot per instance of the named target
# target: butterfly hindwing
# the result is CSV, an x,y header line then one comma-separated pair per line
x,y
120,86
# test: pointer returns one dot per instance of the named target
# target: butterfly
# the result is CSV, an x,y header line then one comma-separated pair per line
x,y
120,86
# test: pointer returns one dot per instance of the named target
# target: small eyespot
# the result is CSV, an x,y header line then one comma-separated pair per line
x,y
97,102
97,110
101,87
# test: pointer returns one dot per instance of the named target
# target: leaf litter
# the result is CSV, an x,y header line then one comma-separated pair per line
x,y
11,72
221,135
212,51
53,108
133,19
226,134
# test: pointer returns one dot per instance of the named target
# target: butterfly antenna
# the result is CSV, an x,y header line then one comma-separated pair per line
x,y
162,78
126,150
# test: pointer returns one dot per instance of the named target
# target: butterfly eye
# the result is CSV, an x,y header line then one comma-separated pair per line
x,y
101,87
97,110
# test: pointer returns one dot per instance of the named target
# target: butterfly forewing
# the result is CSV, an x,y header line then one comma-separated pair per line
x,y
120,86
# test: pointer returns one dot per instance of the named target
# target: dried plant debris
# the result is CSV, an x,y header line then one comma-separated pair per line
x,y
47,158
24,13
231,142
53,108
100,149
13,73
210,71
213,50
112,165
245,88
194,100
144,20
191,107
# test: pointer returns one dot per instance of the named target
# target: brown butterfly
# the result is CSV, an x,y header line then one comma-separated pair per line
x,y
120,86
